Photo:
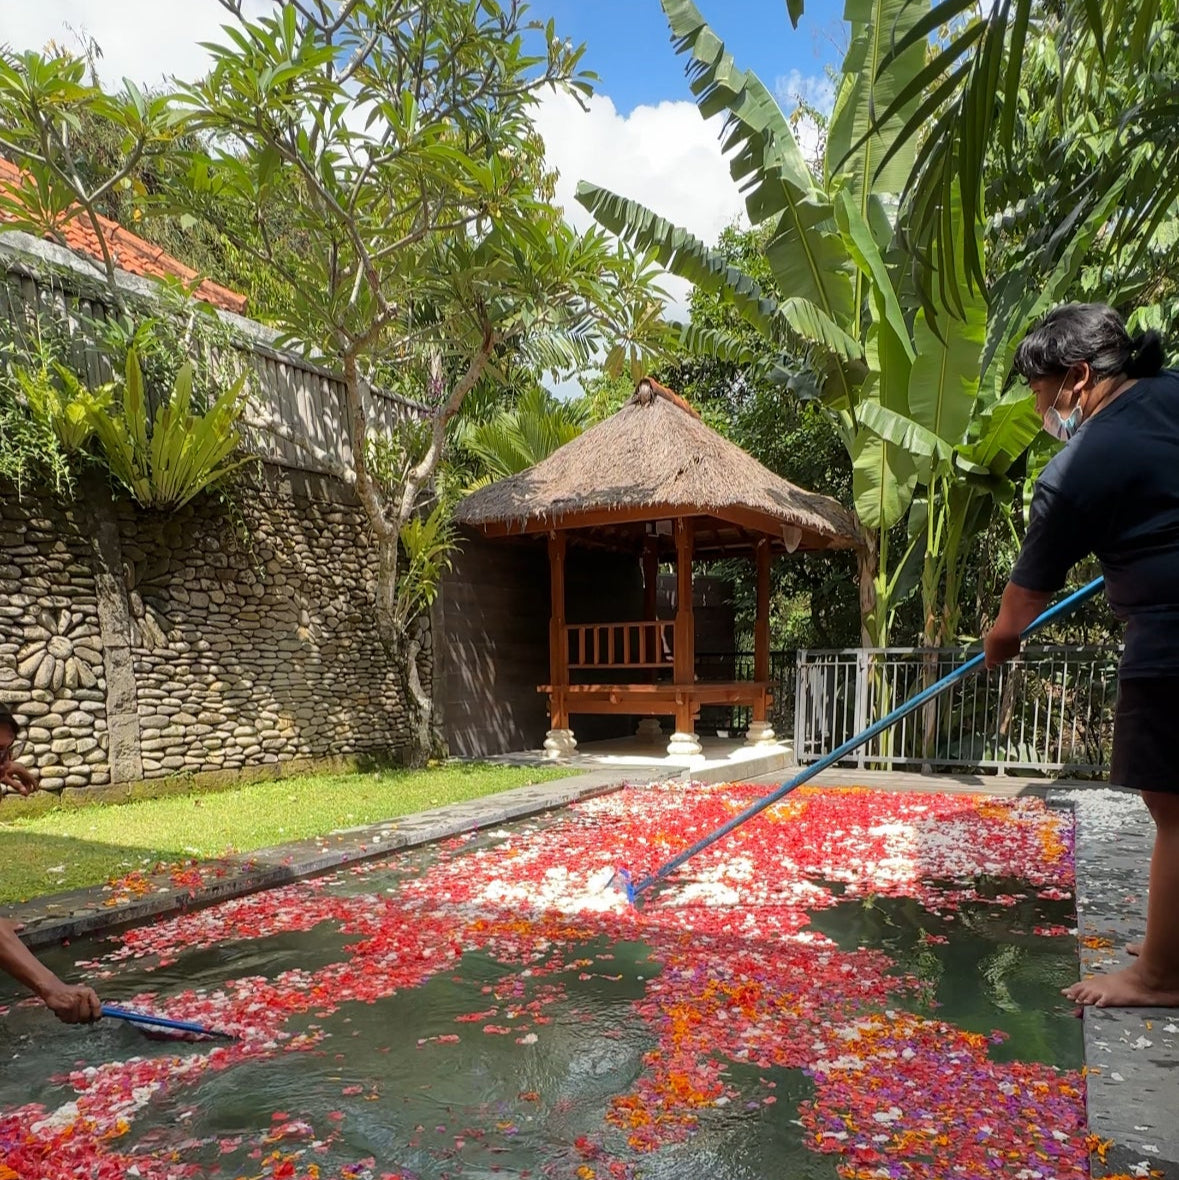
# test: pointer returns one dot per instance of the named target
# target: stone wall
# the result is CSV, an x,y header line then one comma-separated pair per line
x,y
135,644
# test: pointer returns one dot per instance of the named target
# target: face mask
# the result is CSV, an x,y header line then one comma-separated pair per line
x,y
1062,428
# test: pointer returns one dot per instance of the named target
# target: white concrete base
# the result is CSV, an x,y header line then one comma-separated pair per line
x,y
684,745
761,733
560,743
649,730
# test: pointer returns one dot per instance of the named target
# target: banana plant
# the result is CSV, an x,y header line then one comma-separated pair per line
x,y
897,339
889,375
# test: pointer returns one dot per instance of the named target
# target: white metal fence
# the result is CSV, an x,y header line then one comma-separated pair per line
x,y
1051,710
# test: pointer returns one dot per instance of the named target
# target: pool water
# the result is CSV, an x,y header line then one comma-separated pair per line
x,y
855,984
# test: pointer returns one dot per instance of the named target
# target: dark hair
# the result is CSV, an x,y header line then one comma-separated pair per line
x,y
1090,332
6,718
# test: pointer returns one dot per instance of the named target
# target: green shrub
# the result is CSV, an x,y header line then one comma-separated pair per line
x,y
168,458
65,407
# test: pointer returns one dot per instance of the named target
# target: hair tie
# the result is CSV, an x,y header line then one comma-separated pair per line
x,y
1136,343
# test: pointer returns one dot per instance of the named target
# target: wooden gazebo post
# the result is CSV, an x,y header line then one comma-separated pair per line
x,y
649,729
761,732
684,740
559,742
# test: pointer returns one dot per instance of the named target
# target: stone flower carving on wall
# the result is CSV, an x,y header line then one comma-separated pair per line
x,y
56,654
146,594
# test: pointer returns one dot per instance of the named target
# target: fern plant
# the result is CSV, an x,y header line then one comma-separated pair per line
x,y
65,407
428,541
167,459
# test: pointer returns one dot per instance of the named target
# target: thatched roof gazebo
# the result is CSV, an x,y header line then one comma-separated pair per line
x,y
654,480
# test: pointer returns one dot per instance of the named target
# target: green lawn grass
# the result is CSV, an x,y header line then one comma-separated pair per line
x,y
72,848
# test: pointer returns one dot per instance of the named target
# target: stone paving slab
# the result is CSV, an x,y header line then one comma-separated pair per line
x,y
49,920
1132,1054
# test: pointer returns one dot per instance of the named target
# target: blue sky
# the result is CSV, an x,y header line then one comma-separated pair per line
x,y
628,44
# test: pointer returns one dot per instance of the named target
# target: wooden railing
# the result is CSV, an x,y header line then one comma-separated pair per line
x,y
620,645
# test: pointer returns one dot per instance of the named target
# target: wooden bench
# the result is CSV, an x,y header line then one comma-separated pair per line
x,y
683,701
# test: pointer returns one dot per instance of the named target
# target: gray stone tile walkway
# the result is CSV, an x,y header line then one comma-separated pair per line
x,y
1132,1054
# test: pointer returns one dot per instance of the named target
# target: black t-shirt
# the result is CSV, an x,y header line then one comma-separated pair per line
x,y
1113,491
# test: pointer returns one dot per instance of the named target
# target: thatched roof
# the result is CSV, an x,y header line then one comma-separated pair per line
x,y
655,460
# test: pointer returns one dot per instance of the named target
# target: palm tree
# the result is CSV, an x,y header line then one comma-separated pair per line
x,y
519,436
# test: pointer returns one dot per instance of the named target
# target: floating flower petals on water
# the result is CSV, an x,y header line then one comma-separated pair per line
x,y
738,976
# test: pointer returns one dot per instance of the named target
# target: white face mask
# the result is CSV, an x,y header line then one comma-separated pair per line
x,y
1063,428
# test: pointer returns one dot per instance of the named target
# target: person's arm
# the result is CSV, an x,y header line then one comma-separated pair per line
x,y
72,1003
20,778
1059,534
1020,607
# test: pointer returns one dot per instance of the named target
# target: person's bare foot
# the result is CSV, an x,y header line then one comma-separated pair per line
x,y
1134,948
1124,989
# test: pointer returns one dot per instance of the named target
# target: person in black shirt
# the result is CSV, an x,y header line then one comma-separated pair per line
x,y
1113,491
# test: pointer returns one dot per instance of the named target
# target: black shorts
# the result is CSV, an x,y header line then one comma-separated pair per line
x,y
1145,725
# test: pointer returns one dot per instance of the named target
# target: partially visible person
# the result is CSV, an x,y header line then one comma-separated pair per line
x,y
70,1002
73,1003
12,774
1113,491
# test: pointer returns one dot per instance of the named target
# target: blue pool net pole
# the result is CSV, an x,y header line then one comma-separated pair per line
x,y
1065,607
149,1021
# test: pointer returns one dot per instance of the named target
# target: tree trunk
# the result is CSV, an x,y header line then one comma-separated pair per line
x,y
866,564
425,742
405,646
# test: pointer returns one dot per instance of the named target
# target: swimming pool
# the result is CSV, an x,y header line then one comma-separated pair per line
x,y
857,984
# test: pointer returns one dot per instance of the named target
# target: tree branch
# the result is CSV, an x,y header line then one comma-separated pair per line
x,y
419,475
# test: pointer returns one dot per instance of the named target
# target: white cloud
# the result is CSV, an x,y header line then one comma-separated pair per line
x,y
144,40
665,156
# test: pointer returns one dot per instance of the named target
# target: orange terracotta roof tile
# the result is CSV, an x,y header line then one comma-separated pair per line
x,y
129,252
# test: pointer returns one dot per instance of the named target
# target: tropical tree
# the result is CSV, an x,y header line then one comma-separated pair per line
x,y
890,331
395,140
46,109
518,436
843,328
1112,111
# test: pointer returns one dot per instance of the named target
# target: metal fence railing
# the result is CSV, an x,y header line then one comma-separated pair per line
x,y
1050,710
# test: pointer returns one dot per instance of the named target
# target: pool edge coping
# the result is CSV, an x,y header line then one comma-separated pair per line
x,y
61,917
1124,1091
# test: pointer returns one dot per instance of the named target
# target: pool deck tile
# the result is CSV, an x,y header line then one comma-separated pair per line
x,y
1132,1054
